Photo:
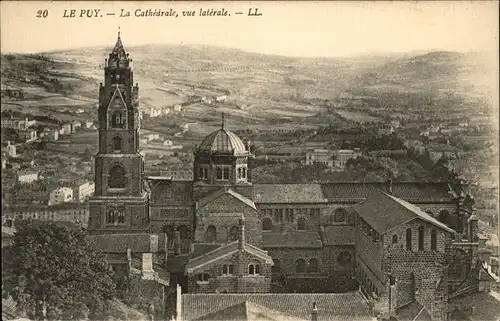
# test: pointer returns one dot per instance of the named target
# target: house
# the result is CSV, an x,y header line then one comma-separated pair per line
x,y
61,195
51,134
66,129
177,108
83,191
167,143
437,151
7,235
220,99
151,137
77,213
28,135
11,150
19,124
323,156
27,177
87,124
75,125
341,156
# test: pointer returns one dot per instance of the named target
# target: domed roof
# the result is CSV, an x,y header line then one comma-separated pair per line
x,y
222,141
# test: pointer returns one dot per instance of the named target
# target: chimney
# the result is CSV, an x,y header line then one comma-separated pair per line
x,y
177,243
314,312
241,240
473,230
147,266
129,259
166,249
389,186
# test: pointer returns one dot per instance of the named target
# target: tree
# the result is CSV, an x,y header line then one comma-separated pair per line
x,y
51,265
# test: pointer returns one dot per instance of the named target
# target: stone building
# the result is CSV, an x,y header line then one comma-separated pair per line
x,y
402,243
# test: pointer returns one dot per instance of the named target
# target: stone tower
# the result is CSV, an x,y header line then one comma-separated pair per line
x,y
120,203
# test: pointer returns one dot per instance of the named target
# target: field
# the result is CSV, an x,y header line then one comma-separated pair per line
x,y
358,116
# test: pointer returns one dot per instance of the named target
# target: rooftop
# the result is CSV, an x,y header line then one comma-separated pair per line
x,y
386,212
291,239
288,193
119,243
338,306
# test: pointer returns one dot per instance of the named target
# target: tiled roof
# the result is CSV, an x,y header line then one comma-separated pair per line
x,y
247,311
119,243
485,305
212,197
339,306
413,312
408,191
222,141
291,239
340,235
288,193
202,248
385,212
222,252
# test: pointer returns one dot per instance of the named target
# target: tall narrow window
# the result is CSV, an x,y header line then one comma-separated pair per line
x,y
117,120
408,239
313,266
211,234
420,238
394,239
218,173
116,177
301,224
233,233
433,240
239,172
300,266
253,269
267,224
225,173
117,143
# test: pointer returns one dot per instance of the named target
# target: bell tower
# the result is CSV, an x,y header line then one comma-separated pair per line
x,y
120,202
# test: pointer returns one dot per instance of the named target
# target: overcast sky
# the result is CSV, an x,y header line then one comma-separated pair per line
x,y
285,28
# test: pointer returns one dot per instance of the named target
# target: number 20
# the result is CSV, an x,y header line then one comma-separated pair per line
x,y
42,13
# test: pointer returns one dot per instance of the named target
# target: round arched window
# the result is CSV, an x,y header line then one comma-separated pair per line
x,y
344,258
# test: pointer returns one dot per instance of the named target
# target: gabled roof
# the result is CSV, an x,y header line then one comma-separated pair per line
x,y
247,311
331,306
223,252
117,93
386,212
119,243
288,193
295,239
212,197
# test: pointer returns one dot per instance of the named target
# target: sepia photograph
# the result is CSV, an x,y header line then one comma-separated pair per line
x,y
250,160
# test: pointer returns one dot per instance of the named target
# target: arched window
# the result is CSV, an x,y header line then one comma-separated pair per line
x,y
121,217
110,216
340,214
239,172
300,266
218,173
408,239
227,269
433,240
267,224
233,233
420,238
211,234
243,172
203,277
117,143
394,239
301,224
116,177
344,258
117,120
200,173
276,269
253,269
183,231
313,266
169,230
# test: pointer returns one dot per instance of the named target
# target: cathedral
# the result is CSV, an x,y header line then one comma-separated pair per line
x,y
396,243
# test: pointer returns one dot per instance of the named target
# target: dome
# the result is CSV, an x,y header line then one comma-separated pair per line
x,y
222,141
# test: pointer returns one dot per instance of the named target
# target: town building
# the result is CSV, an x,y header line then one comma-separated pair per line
x,y
27,177
401,247
28,135
336,159
61,195
77,213
437,151
18,124
10,150
65,129
83,191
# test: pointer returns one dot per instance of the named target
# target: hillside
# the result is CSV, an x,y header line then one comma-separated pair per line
x,y
261,88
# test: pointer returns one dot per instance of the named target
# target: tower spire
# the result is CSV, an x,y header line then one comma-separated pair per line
x,y
118,32
222,121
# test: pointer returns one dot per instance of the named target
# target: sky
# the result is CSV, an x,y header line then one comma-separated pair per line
x,y
326,29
